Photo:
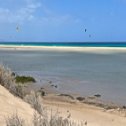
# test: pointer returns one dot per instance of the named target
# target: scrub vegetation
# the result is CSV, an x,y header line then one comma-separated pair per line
x,y
41,117
24,79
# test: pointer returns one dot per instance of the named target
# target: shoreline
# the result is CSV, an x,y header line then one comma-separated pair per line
x,y
52,94
82,111
65,48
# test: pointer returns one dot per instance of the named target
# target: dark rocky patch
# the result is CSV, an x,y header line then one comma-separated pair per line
x,y
97,95
67,95
80,98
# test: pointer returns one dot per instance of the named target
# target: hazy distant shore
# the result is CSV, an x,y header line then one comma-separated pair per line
x,y
65,48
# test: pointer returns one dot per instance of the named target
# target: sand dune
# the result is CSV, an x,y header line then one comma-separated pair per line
x,y
94,116
10,105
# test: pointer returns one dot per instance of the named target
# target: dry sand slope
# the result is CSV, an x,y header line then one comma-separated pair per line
x,y
10,105
93,116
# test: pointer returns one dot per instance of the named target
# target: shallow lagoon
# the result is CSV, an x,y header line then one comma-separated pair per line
x,y
74,72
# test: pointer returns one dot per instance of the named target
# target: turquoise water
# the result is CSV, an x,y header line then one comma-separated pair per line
x,y
71,44
74,72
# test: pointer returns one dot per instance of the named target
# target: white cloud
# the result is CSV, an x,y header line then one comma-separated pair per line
x,y
27,13
19,16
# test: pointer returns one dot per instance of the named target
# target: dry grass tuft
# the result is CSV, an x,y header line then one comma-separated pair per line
x,y
35,100
6,78
42,116
15,120
53,120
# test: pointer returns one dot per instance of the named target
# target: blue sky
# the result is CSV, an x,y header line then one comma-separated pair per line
x,y
63,20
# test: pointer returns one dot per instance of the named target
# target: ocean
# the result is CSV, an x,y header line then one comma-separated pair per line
x,y
69,44
83,73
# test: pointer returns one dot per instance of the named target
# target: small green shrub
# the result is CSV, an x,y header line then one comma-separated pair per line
x,y
24,79
42,92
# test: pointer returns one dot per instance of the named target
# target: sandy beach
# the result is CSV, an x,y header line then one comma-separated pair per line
x,y
67,49
93,116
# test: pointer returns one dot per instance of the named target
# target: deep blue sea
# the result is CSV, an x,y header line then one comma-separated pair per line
x,y
70,44
83,73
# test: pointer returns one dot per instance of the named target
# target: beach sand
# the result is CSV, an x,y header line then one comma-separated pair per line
x,y
10,105
67,49
75,111
80,112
